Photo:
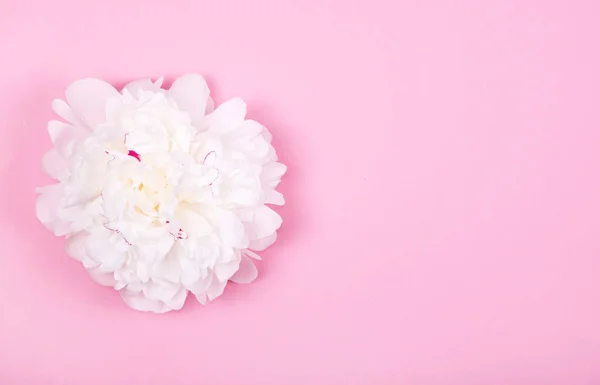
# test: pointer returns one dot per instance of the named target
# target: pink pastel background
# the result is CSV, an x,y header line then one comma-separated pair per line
x,y
443,216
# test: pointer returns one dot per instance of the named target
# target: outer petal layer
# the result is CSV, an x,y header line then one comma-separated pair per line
x,y
88,97
190,92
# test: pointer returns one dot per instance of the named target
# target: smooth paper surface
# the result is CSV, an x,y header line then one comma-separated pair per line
x,y
442,208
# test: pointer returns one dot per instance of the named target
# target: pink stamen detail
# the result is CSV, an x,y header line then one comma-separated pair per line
x,y
206,156
135,155
214,180
180,235
117,232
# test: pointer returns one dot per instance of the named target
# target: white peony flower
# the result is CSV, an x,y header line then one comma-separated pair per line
x,y
158,194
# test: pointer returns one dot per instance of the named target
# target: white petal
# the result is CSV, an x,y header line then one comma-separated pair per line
x,y
47,206
210,105
224,271
267,136
75,245
88,97
271,174
135,87
64,136
192,222
262,243
169,269
246,273
107,248
190,271
275,198
231,229
265,222
228,116
178,299
201,287
162,291
201,297
138,301
142,272
63,110
252,254
55,165
251,128
241,196
216,289
55,128
102,278
88,263
190,92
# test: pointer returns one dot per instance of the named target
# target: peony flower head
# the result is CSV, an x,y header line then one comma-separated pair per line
x,y
158,193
